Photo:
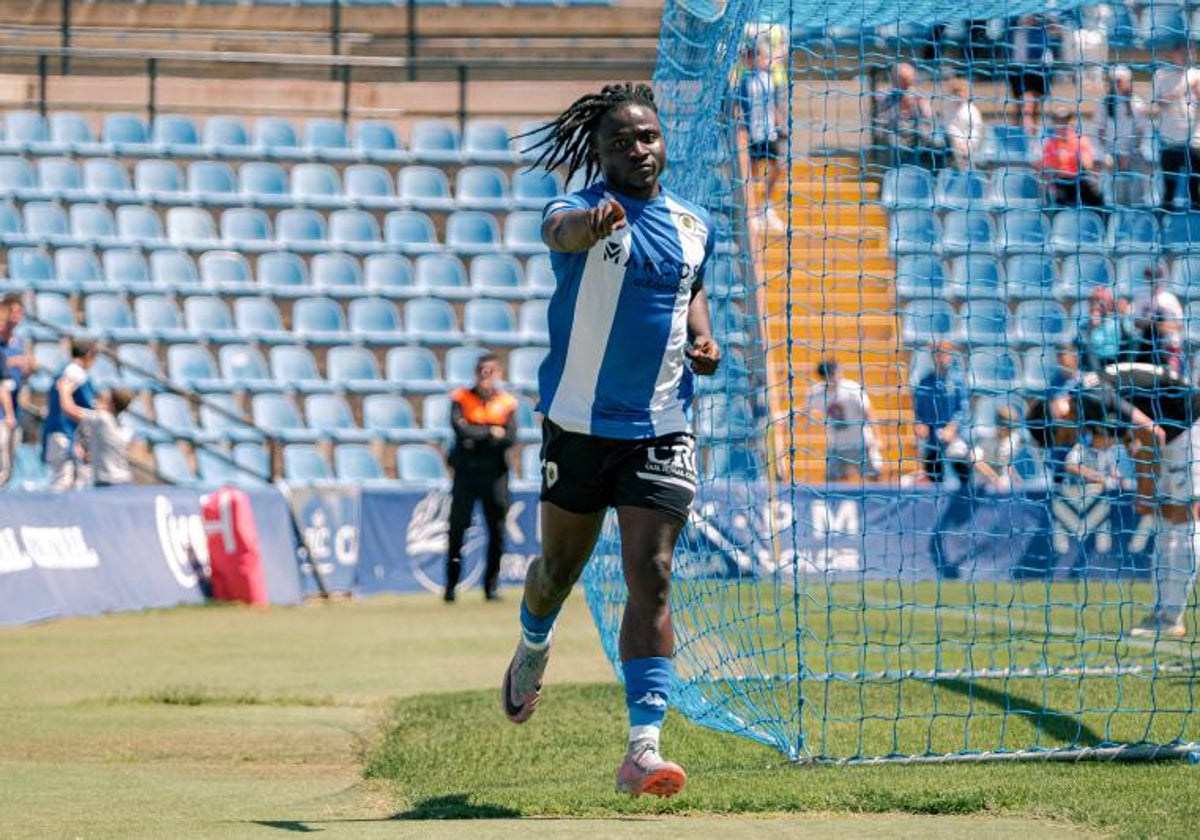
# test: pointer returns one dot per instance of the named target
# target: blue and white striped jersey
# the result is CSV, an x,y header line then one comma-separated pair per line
x,y
618,320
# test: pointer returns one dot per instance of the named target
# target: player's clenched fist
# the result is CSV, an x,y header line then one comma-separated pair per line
x,y
705,356
606,217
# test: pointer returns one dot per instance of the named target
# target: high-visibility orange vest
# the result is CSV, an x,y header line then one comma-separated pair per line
x,y
493,412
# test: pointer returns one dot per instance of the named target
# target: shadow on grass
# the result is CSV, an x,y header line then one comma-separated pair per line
x,y
456,806
1050,722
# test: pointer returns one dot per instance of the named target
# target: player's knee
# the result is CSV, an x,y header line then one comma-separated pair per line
x,y
653,583
556,579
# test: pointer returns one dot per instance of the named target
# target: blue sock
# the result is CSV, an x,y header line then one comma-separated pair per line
x,y
647,691
536,629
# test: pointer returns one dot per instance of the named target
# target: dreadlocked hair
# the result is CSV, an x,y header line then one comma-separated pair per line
x,y
567,140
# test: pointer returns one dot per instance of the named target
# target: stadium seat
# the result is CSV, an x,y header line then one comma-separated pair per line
x,y
192,228
319,320
528,430
533,188
356,463
278,417
1132,189
918,275
481,188
370,187
906,187
1079,274
60,179
138,367
158,316
498,275
174,414
46,223
1006,145
106,180
172,465
486,141
225,137
282,273
326,139
141,225
354,369
23,131
442,275
539,275
109,317
125,270
316,185
301,229
246,229
736,462
414,370
491,322
192,366
472,232
50,358
70,134
376,141
1180,233
523,232
304,463
460,365
1038,365
227,271
411,231
244,368
329,416
337,274
391,418
531,465
209,316
960,189
967,232
92,225
435,416
78,268
1191,322
355,231
273,137
33,268
533,322
126,135
18,180
1075,231
215,467
222,418
171,270
983,322
212,182
263,184
425,188
175,135
1132,232
992,370
389,275
912,231
1185,279
253,459
975,276
1013,188
419,463
1042,322
1133,271
376,320
523,366
925,321
159,181
434,141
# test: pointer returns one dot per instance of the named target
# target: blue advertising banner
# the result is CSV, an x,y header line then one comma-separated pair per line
x,y
123,549
327,516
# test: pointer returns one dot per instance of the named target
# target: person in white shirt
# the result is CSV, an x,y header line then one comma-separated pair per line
x,y
1176,93
963,124
851,447
1121,125
104,444
1001,450
1158,319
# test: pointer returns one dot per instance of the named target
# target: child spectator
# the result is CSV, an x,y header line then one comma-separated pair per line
x,y
103,442
1002,450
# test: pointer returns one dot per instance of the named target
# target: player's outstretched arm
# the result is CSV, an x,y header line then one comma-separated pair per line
x,y
572,231
704,351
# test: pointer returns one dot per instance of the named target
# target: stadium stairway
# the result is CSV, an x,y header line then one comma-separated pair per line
x,y
842,304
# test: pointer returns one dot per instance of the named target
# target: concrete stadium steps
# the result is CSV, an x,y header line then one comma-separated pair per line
x,y
842,305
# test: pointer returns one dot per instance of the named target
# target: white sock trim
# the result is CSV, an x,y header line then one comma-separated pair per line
x,y
645,733
536,645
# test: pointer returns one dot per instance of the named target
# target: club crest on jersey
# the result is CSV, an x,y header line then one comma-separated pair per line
x,y
613,252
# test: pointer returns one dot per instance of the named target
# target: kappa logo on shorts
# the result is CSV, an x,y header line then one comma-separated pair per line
x,y
550,471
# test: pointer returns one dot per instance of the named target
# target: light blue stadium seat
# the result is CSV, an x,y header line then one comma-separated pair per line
x,y
390,275
77,268
487,141
172,465
174,414
917,275
228,271
278,416
1042,322
728,320
209,316
737,462
1006,145
225,137
300,229
171,269
1074,231
1079,274
376,141
126,269
975,276
18,179
139,367
533,188
369,186
355,231
140,224
1191,322
274,137
967,232
391,417
329,415
523,365
175,135
243,367
414,370
158,316
420,463
1132,189
431,320
108,316
295,367
1022,230
105,179
336,274
1185,278
983,322
23,130
960,189
1180,233
354,369
319,320
222,417
481,188
993,370
92,225
498,275
10,225
539,275
326,139
213,470
316,185
254,458
355,462
104,373
1038,365
263,184
45,223
523,232
160,181
304,463
246,229
33,268
283,273
60,179
50,358
192,228
460,365
212,182
472,232
531,465
906,187
925,321
442,275
528,430
71,134
126,134
527,136
435,141
425,188
1132,232
533,322
435,416
192,366
1132,275
912,231
375,320
411,231
490,321
1013,187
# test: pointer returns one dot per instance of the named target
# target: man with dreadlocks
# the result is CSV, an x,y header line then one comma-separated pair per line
x,y
1157,412
628,318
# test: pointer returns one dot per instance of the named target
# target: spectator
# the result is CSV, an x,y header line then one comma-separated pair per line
x,y
1096,463
1104,333
964,125
940,402
851,447
762,130
70,396
18,363
1066,370
1068,165
1176,92
104,444
1030,69
1002,450
1121,127
1158,321
903,123
484,420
